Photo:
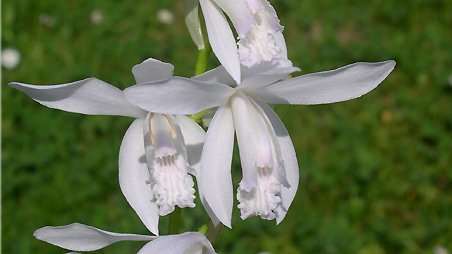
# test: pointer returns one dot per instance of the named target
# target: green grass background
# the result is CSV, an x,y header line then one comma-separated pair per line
x,y
375,172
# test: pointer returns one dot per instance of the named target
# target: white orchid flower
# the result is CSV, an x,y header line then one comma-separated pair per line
x,y
79,237
153,157
269,164
256,23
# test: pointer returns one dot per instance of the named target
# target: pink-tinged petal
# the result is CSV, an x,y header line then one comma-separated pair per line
x,y
89,96
134,176
152,70
186,243
178,96
214,178
289,159
255,5
342,84
79,237
221,38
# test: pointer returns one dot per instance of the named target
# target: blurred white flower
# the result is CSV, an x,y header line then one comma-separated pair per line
x,y
47,20
97,17
165,16
449,80
440,250
10,58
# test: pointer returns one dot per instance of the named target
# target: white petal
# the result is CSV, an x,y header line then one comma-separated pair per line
x,y
178,96
213,217
216,75
192,22
186,243
152,70
265,76
281,43
290,162
134,176
250,138
342,84
274,67
79,237
194,137
221,38
89,96
239,13
215,181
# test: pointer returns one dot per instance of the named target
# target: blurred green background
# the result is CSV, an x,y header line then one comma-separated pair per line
x,y
375,172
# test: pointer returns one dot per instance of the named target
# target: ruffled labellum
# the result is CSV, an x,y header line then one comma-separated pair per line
x,y
167,162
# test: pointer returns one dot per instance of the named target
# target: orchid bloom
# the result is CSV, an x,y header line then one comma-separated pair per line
x,y
153,158
79,237
269,164
256,23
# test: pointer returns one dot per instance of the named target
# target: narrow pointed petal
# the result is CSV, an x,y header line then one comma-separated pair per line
x,y
239,13
342,84
134,176
89,96
289,159
79,237
186,243
194,137
192,22
178,96
215,181
221,38
152,70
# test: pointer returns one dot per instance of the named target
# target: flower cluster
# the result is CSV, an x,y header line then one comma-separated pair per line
x,y
164,151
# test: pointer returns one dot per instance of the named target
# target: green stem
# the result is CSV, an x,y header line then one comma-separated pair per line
x,y
213,232
201,67
203,56
174,221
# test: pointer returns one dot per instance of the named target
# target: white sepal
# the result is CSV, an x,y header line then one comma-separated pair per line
x,y
89,96
214,179
79,237
134,176
342,84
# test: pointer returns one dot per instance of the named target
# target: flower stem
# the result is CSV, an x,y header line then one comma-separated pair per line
x,y
213,232
174,221
201,67
203,56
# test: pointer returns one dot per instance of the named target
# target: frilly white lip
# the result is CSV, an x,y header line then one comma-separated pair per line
x,y
260,85
80,237
138,166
